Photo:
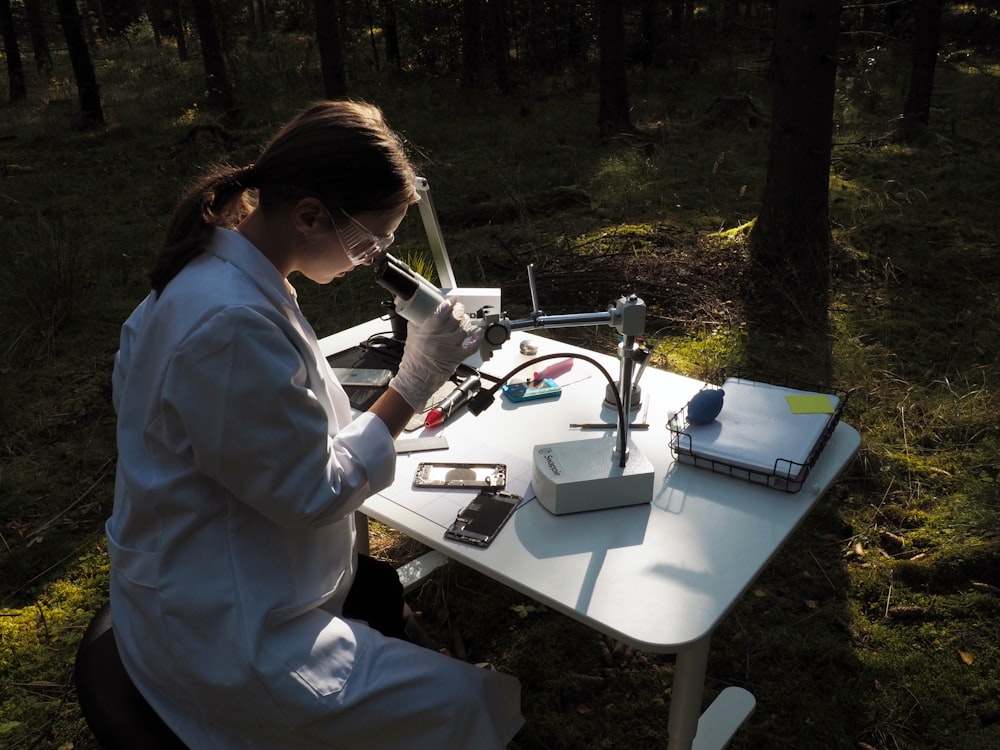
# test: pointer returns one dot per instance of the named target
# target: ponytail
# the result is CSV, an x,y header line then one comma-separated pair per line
x,y
217,199
341,152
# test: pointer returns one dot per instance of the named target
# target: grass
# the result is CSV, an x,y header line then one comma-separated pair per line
x,y
874,627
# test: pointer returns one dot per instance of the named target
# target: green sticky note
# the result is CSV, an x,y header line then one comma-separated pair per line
x,y
811,404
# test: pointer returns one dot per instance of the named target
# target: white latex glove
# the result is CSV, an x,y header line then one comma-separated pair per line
x,y
434,351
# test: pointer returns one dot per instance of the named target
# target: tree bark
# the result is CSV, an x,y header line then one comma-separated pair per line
x,y
790,241
677,16
155,13
180,23
370,18
923,57
265,24
390,33
613,108
15,68
39,40
331,53
498,35
472,57
652,34
91,113
102,31
219,90
252,19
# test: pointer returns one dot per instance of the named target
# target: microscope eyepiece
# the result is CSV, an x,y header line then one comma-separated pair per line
x,y
416,298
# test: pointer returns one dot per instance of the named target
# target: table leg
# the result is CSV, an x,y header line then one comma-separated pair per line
x,y
728,712
686,694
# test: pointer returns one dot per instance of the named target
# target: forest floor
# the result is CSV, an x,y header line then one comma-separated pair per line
x,y
875,626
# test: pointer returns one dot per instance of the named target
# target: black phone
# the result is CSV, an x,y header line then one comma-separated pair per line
x,y
480,521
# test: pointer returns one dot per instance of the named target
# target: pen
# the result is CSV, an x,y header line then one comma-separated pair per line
x,y
609,426
646,354
452,401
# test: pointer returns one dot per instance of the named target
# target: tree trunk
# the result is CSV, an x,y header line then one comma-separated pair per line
x,y
923,57
91,113
157,20
649,37
390,33
15,68
180,23
219,89
472,58
677,16
265,25
97,12
370,13
252,19
39,40
496,11
331,53
613,115
790,242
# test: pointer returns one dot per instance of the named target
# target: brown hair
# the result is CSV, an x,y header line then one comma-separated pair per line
x,y
341,152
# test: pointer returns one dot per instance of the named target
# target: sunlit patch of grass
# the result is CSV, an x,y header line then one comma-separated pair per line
x,y
188,116
37,644
709,356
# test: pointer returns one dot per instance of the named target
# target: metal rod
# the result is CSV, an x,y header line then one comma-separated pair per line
x,y
625,383
435,238
533,287
561,321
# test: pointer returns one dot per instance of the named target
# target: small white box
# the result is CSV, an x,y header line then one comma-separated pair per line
x,y
474,299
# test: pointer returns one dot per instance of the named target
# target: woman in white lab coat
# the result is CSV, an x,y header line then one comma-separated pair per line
x,y
232,539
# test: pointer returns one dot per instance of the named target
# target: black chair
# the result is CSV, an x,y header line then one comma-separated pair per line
x,y
115,710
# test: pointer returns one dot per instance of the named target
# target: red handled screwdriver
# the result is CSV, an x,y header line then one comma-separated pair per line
x,y
452,401
554,370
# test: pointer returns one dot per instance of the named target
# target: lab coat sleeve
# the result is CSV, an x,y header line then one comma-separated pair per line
x,y
237,395
123,357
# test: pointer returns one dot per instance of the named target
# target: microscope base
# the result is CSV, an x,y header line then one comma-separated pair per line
x,y
584,475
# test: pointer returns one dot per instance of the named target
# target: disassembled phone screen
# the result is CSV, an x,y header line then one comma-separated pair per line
x,y
480,521
368,376
461,475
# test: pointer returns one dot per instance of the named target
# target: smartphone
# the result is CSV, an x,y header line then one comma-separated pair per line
x,y
480,521
460,475
366,376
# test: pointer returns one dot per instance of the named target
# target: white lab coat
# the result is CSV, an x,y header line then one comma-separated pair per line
x,y
232,536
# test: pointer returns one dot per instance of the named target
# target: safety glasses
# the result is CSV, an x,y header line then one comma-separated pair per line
x,y
360,245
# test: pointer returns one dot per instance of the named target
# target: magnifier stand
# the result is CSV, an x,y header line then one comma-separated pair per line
x,y
580,475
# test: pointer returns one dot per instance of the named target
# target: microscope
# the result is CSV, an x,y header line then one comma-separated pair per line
x,y
569,476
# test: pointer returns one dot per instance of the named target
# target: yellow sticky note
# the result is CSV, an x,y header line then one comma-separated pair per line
x,y
811,404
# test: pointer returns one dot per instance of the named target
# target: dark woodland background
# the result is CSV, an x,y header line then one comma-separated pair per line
x,y
799,189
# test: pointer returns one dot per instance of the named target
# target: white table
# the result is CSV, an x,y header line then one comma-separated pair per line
x,y
658,576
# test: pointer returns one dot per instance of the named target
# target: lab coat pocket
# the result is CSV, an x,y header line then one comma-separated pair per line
x,y
140,567
308,657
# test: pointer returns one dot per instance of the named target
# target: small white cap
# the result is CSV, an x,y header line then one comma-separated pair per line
x,y
529,347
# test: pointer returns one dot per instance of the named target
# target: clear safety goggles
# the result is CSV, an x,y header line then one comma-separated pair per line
x,y
360,245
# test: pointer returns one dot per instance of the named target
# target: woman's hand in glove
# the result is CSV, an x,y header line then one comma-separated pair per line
x,y
434,351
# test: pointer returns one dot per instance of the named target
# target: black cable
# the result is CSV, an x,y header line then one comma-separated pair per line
x,y
485,397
